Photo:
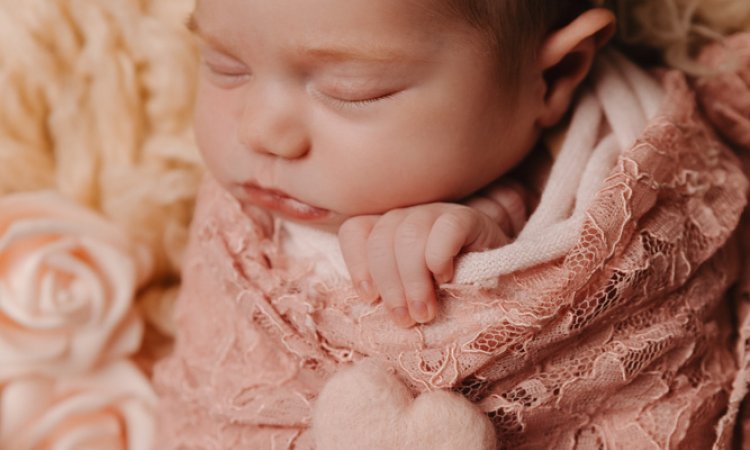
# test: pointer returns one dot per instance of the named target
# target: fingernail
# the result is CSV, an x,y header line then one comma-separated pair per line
x,y
421,313
366,291
401,315
443,278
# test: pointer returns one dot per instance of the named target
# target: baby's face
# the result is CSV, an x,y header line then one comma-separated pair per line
x,y
320,110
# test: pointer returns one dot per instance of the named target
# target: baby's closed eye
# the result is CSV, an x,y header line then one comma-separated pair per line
x,y
222,69
357,88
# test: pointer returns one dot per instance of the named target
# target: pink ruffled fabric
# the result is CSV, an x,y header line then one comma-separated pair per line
x,y
725,98
628,340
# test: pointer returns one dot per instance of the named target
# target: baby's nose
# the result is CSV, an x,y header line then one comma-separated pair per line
x,y
275,126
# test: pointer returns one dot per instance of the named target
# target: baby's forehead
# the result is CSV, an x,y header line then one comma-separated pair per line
x,y
332,16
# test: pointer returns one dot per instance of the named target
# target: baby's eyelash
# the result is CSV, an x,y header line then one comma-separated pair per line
x,y
224,71
354,104
365,102
226,75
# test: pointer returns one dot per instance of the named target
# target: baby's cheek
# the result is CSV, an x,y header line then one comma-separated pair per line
x,y
224,158
352,191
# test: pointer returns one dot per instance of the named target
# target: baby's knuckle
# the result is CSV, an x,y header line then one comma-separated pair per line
x,y
438,261
348,231
379,245
353,228
516,205
456,221
394,215
512,196
489,207
416,289
392,296
436,255
408,234
387,223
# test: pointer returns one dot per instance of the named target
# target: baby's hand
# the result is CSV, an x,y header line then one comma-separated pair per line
x,y
398,256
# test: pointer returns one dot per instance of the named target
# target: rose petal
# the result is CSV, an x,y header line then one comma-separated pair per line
x,y
112,408
68,278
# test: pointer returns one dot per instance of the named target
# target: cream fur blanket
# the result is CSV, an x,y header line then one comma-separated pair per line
x,y
98,175
97,105
607,323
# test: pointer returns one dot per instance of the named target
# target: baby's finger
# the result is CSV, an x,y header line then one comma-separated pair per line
x,y
445,240
513,198
457,230
416,279
384,269
494,210
483,233
353,236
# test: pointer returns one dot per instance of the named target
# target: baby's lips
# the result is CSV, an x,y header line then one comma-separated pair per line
x,y
279,201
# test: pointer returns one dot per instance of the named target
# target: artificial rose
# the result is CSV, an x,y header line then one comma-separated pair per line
x,y
67,282
110,408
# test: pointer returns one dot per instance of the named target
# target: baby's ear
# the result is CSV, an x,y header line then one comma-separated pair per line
x,y
566,56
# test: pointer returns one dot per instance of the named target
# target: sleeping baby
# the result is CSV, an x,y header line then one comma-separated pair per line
x,y
466,202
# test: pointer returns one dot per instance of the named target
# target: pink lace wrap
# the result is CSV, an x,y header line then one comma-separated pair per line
x,y
628,339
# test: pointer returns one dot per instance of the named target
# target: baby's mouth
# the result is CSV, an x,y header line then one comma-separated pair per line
x,y
281,202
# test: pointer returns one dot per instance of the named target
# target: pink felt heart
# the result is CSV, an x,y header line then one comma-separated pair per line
x,y
366,407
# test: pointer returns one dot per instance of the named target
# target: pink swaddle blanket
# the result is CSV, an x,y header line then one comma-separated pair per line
x,y
606,322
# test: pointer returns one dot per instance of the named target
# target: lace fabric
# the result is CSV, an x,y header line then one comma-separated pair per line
x,y
625,338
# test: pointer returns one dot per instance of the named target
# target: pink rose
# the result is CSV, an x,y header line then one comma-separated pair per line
x,y
67,282
111,408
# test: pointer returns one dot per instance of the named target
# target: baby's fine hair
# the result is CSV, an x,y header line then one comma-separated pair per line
x,y
652,31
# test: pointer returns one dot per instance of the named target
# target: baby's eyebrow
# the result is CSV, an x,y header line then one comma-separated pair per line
x,y
335,52
192,24
366,53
